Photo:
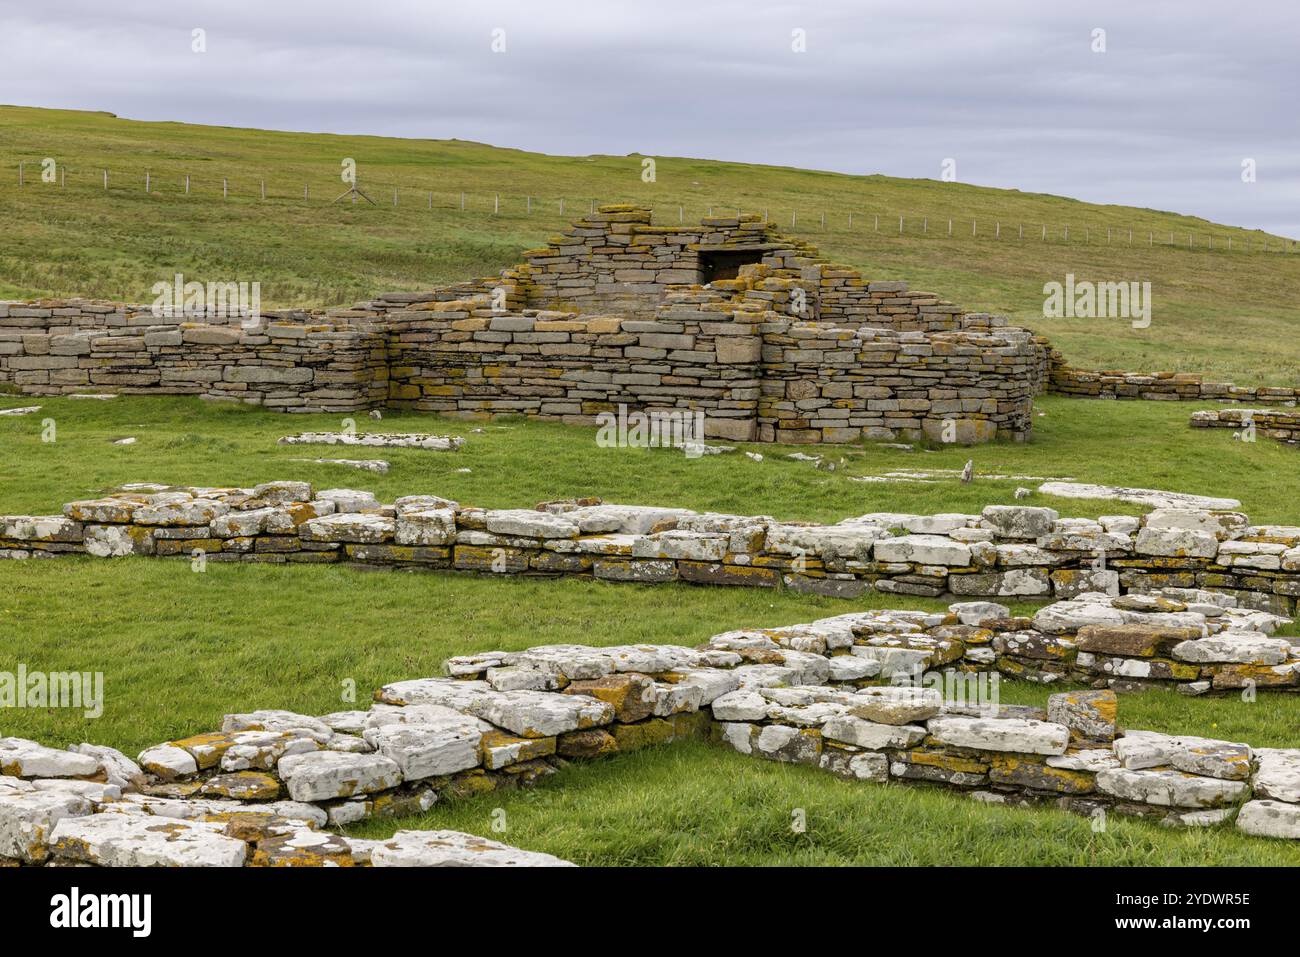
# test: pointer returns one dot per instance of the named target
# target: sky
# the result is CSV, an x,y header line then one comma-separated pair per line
x,y
1169,106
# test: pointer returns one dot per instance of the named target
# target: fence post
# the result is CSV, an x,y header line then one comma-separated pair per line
x,y
187,184
1044,232
431,199
823,219
1067,234
950,228
1021,234
263,189
972,227
146,181
997,230
304,190
105,179
593,207
681,213
1130,235
900,225
462,201
394,197
496,203
528,202
850,220
561,205
925,224
20,172
877,226
225,187
792,218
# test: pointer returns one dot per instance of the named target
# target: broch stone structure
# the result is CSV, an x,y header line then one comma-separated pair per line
x,y
756,331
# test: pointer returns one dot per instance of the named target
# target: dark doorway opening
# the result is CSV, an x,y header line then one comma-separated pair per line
x,y
725,264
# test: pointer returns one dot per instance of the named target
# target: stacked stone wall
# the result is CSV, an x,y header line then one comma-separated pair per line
x,y
1107,568
262,789
291,361
612,313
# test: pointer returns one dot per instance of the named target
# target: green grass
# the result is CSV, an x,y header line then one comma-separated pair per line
x,y
1225,314
517,463
180,648
692,803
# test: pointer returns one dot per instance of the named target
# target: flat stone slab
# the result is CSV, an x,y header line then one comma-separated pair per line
x,y
529,523
454,849
1278,776
1165,787
896,705
1228,760
324,775
1270,819
1244,647
1018,735
1156,498
29,816
143,840
870,735
427,749
353,527
405,440
27,759
538,714
922,550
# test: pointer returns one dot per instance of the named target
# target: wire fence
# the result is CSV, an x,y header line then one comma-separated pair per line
x,y
404,196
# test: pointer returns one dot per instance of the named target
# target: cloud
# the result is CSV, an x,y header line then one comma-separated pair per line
x,y
1012,90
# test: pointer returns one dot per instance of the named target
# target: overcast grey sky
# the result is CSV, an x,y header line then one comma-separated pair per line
x,y
1013,91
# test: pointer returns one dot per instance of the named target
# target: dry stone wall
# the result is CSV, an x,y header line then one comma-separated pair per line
x,y
756,332
288,361
1276,424
1103,573
264,788
1064,379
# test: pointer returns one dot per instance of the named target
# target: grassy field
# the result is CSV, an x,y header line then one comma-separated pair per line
x,y
1224,313
179,649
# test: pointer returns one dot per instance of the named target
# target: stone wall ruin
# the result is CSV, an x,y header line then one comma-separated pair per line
x,y
613,312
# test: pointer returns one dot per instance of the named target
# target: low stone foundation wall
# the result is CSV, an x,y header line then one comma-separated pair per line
x,y
1277,424
1213,559
260,789
289,361
1063,379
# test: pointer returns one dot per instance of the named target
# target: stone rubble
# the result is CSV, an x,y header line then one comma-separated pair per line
x,y
396,440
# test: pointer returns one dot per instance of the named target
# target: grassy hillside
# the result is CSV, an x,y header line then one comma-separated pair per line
x,y
1228,314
